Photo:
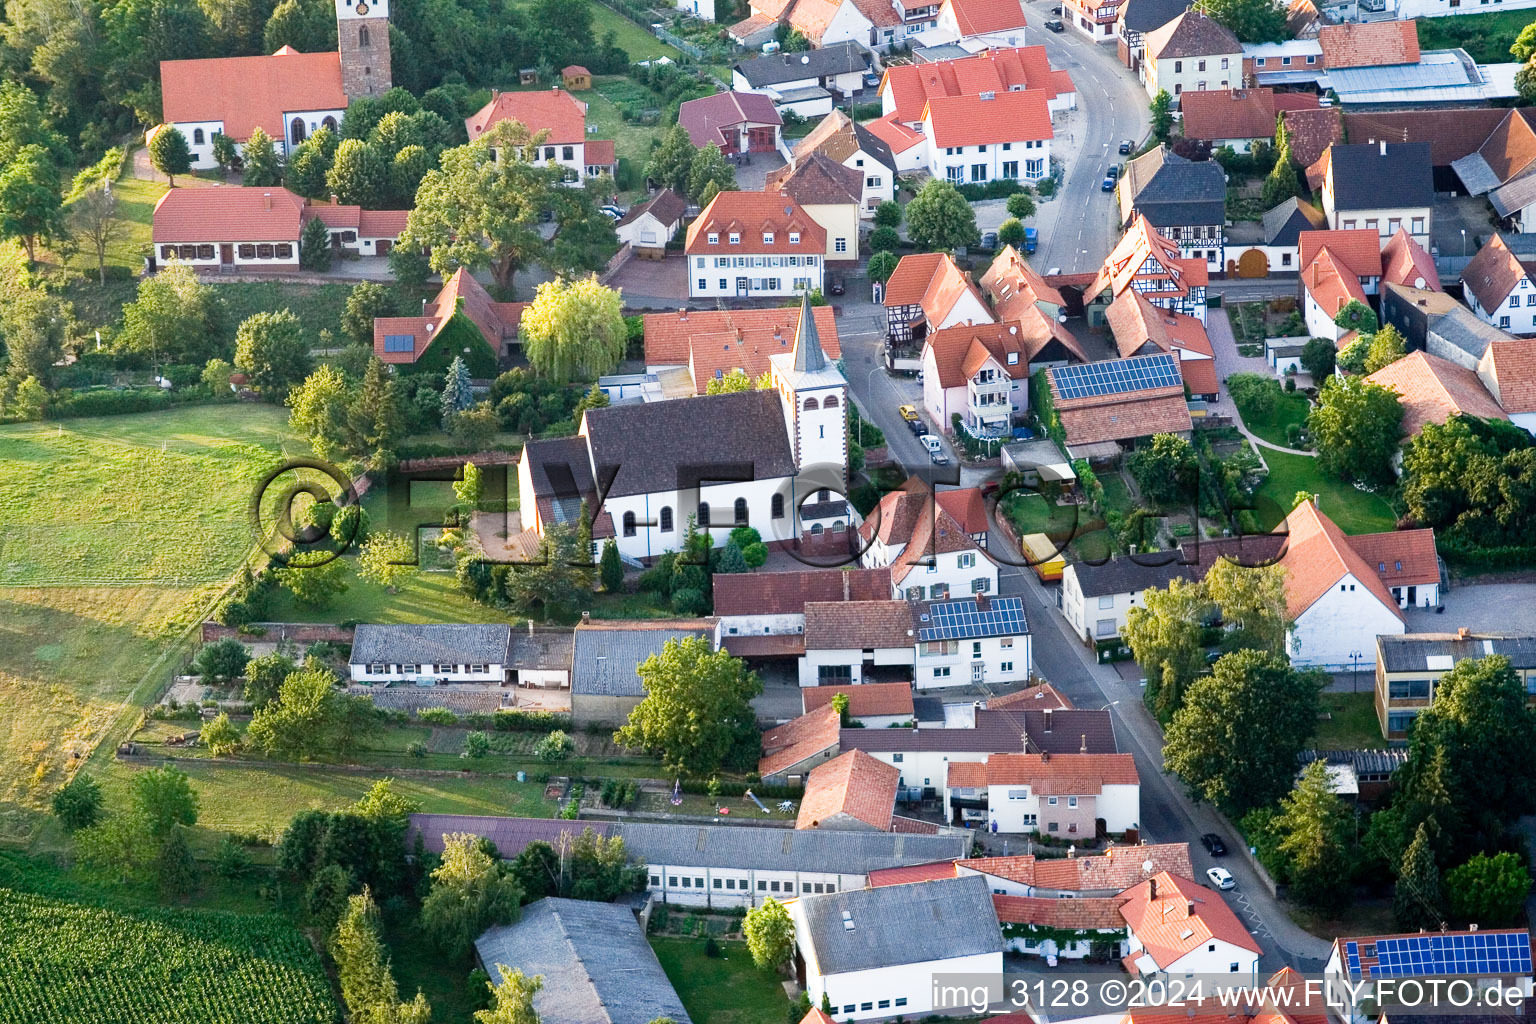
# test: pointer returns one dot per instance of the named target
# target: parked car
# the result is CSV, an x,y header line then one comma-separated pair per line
x,y
1056,10
871,81
1055,25
613,211
1108,184
989,239
835,286
1126,145
1213,844
1114,171
908,413
935,449
1221,878
1053,271
1031,239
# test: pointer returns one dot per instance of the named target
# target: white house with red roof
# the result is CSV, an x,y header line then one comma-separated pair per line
x,y
1508,371
929,553
754,245
1338,266
978,23
1059,795
981,371
229,229
928,292
1499,287
564,120
1179,928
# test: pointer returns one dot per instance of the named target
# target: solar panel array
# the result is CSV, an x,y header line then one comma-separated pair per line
x,y
1116,376
1418,955
959,620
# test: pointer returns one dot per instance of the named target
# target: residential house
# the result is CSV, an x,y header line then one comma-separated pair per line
x,y
854,792
232,229
1338,267
1237,118
1041,696
1438,324
754,245
1498,287
540,659
1083,876
650,225
1409,667
1508,371
1060,795
1288,63
1502,167
1183,200
1311,133
831,194
807,83
872,706
927,293
1369,44
1476,957
908,145
435,654
1097,21
968,507
840,139
1019,295
1432,390
703,345
1432,77
1148,262
289,95
1283,226
1104,407
800,746
1096,598
974,24
736,122
563,117
980,374
1192,53
877,952
463,313
1140,328
907,89
717,865
929,553
936,644
1383,187
1406,262
605,683
1134,19
1061,929
1180,929
762,614
593,957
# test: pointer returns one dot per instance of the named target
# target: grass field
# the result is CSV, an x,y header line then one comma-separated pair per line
x,y
318,307
633,39
1486,37
1352,722
1290,408
728,989
1353,510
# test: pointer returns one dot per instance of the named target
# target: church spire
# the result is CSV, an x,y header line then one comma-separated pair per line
x,y
808,354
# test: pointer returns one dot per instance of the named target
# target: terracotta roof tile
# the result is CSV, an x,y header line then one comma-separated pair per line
x,y
710,340
1043,696
1318,555
798,739
1331,286
994,70
1404,261
979,121
813,17
981,17
894,134
1126,418
1509,370
846,625
852,784
1140,243
1135,322
896,514
224,214
496,321
817,180
864,700
552,110
966,775
1012,284
930,280
1357,250
1413,550
1173,916
1077,915
1235,113
815,1016
1311,132
764,645
1510,148
912,873
1191,34
881,14
1451,133
1056,774
708,117
1432,390
787,593
967,506
960,350
250,92
1493,272
753,214
1369,44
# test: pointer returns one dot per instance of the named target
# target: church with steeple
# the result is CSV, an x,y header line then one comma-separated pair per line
x,y
775,460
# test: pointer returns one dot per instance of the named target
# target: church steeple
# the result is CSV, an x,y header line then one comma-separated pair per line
x,y
809,356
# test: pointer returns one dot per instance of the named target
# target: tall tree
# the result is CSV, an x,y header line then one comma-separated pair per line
x,y
320,410
1162,115
882,265
169,153
1164,635
314,578
471,891
1473,477
310,716
387,559
1386,347
1419,901
574,329
1252,21
696,714
78,804
938,217
175,317
93,218
1315,835
770,934
362,966
309,25
1356,425
1166,470
365,302
31,207
709,174
671,162
376,415
1252,599
554,579
359,175
1489,890
456,392
309,164
259,158
164,799
1356,316
512,999
1317,357
270,350
611,569
1235,740
1282,182
315,245
33,328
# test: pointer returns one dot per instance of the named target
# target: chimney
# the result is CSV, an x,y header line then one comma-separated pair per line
x,y
1047,719
1383,145
982,602
682,314
1072,852
335,199
1084,748
1461,632
586,619
1152,888
846,587
1045,756
266,201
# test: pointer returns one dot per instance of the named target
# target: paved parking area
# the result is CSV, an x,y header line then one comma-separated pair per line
x,y
1452,217
654,284
1506,607
750,177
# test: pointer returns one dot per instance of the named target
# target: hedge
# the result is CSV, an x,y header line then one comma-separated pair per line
x,y
761,790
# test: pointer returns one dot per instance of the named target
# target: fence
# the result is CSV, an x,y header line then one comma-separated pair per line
x,y
279,632
693,50
616,263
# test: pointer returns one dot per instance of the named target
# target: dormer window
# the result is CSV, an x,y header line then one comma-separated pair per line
x,y
714,238
794,238
767,237
735,237
1013,359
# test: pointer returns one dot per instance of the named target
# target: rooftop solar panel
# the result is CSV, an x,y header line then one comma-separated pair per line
x,y
1116,376
959,620
1419,955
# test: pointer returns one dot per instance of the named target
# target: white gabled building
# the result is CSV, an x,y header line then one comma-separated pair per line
x,y
1180,929
936,644
754,245
430,655
930,553
1059,795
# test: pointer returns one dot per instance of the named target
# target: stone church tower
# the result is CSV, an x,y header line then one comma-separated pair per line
x,y
362,30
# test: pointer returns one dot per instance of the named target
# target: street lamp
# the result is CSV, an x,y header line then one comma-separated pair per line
x,y
1463,243
1111,704
1354,658
869,386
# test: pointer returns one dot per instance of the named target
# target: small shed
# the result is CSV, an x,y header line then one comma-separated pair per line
x,y
1284,354
575,77
1040,461
528,76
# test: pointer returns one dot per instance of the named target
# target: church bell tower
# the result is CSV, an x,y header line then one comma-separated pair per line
x,y
362,32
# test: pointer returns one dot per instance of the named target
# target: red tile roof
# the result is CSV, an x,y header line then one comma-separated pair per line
x,y
1432,390
251,92
1404,261
1077,915
707,340
787,593
1369,44
754,214
1174,916
1237,113
1511,147
846,625
1135,322
1509,370
852,784
1317,555
708,117
980,17
978,121
894,134
1330,286
1191,34
813,17
997,71
1050,774
1357,250
959,351
1014,286
799,739
1043,696
600,153
930,280
496,321
552,110
1412,550
816,179
1125,263
815,1016
864,700
912,873
1493,273
967,506
224,214
1311,132
880,13
911,516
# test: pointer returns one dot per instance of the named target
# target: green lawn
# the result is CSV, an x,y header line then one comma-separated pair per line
x,y
633,39
1291,407
1486,37
728,989
318,307
1352,724
612,94
1353,510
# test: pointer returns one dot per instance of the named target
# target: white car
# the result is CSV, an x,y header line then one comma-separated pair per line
x,y
1221,878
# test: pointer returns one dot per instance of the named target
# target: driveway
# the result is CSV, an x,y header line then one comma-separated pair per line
x,y
750,177
653,284
1500,607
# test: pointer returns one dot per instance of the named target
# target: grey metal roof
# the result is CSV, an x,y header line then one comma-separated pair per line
x,y
998,731
606,659
1464,329
1515,194
1411,652
809,92
944,51
511,835
597,966
1362,761
891,925
838,59
1475,174
1284,224
1146,15
1365,179
670,446
438,643
548,649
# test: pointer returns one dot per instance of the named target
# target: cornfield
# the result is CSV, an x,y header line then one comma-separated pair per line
x,y
65,961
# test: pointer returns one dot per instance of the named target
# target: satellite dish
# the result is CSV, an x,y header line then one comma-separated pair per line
x,y
1418,282
1146,866
805,59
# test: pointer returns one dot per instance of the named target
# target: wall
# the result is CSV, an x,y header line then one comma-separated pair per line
x,y
925,768
846,24
1521,317
944,164
274,262
1003,660
762,625
912,982
1219,960
489,675
649,541
1319,321
1340,622
1183,74
807,268
1386,221
884,179
853,657
841,221
1070,822
594,709
751,885
202,153
313,121
646,231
